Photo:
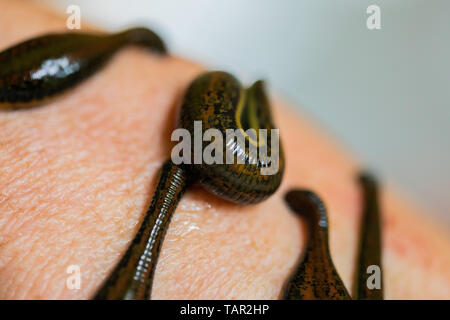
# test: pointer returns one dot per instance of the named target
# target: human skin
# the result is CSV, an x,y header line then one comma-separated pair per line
x,y
77,175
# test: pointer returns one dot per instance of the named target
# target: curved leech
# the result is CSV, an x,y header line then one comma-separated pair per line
x,y
40,68
369,253
315,277
219,101
215,99
310,279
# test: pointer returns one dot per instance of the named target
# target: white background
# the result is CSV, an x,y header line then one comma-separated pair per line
x,y
384,93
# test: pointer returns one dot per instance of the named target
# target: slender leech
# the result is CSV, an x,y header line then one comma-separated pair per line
x,y
315,277
38,69
43,67
369,253
132,277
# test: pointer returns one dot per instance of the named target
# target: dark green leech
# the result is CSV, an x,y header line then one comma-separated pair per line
x,y
370,241
218,100
132,277
40,68
214,98
315,277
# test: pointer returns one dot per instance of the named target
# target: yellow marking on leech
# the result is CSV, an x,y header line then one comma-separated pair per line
x,y
254,123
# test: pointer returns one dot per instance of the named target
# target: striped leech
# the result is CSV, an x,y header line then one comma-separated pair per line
x,y
218,101
41,68
315,276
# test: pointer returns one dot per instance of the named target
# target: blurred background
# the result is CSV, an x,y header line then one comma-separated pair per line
x,y
384,93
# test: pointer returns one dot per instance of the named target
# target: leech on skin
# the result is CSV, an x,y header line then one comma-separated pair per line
x,y
132,277
369,253
315,276
41,68
215,99
36,70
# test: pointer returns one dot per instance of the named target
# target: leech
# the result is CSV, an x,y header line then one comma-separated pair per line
x,y
315,277
36,70
40,68
132,277
216,99
370,242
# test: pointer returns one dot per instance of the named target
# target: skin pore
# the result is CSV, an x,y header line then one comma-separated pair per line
x,y
77,175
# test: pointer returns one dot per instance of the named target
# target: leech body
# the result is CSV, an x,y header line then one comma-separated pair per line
x,y
41,68
218,100
215,99
132,277
369,253
315,277
38,69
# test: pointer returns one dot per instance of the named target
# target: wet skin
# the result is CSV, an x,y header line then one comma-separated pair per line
x,y
79,173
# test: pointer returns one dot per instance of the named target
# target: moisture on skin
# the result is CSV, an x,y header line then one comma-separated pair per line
x,y
315,276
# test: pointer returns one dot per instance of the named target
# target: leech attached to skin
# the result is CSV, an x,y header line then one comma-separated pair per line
x,y
315,277
133,275
217,100
369,254
41,68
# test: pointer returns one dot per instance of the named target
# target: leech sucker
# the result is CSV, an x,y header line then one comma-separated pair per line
x,y
315,276
36,70
368,262
217,100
